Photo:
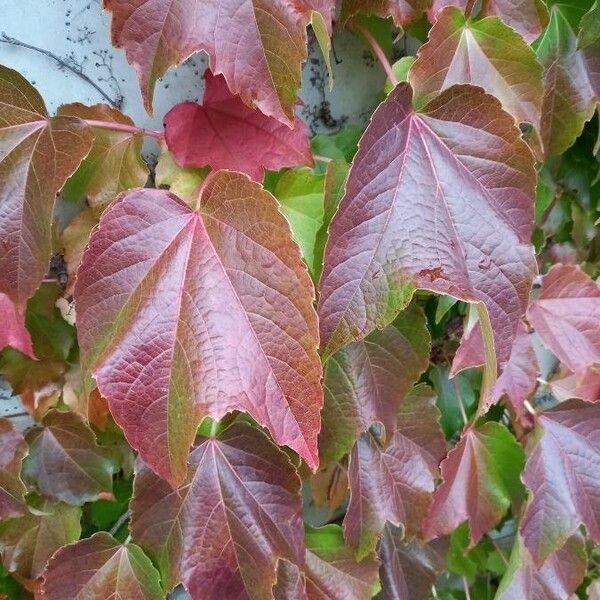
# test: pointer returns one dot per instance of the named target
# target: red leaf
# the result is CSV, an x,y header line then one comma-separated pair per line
x,y
557,579
408,570
258,45
517,381
100,567
440,200
38,155
224,133
13,332
566,316
394,483
582,386
481,477
404,12
561,475
184,313
13,449
238,512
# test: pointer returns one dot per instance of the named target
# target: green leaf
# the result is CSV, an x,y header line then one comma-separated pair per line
x,y
589,28
341,145
400,68
180,180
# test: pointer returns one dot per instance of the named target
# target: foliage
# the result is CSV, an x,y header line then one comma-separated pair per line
x,y
362,365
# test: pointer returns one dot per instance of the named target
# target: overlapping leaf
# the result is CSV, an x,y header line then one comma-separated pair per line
x,y
408,570
403,12
394,483
589,27
258,45
222,533
484,52
100,567
37,155
13,449
224,133
481,477
185,313
561,475
442,200
557,579
582,386
566,316
367,381
13,332
64,461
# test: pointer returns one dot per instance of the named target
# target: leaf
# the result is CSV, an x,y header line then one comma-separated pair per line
x,y
367,381
300,193
100,567
566,316
394,484
589,28
557,579
400,68
37,156
64,461
258,46
179,180
28,542
403,12
481,477
224,133
330,486
341,145
13,332
238,512
13,449
564,493
113,165
569,98
408,570
584,385
486,53
214,315
456,221
518,380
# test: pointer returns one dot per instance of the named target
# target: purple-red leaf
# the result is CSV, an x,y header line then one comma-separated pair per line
x,y
100,567
561,473
367,381
222,533
441,200
13,449
185,313
37,155
224,133
481,477
394,483
557,579
64,461
408,570
258,45
566,316
13,332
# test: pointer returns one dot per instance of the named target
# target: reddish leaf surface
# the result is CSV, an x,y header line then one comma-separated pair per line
x,y
394,483
561,475
557,579
28,542
238,512
408,570
486,53
38,155
404,12
517,381
64,461
13,449
100,567
185,313
481,476
440,200
367,381
330,486
528,17
258,45
224,133
582,386
566,316
13,332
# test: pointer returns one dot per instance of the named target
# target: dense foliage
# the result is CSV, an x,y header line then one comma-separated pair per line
x,y
275,367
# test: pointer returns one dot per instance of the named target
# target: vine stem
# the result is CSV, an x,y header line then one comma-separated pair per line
x,y
383,59
123,127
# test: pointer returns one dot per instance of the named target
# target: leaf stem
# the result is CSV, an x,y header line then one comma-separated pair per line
x,y
466,588
320,158
119,523
461,406
383,59
123,127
